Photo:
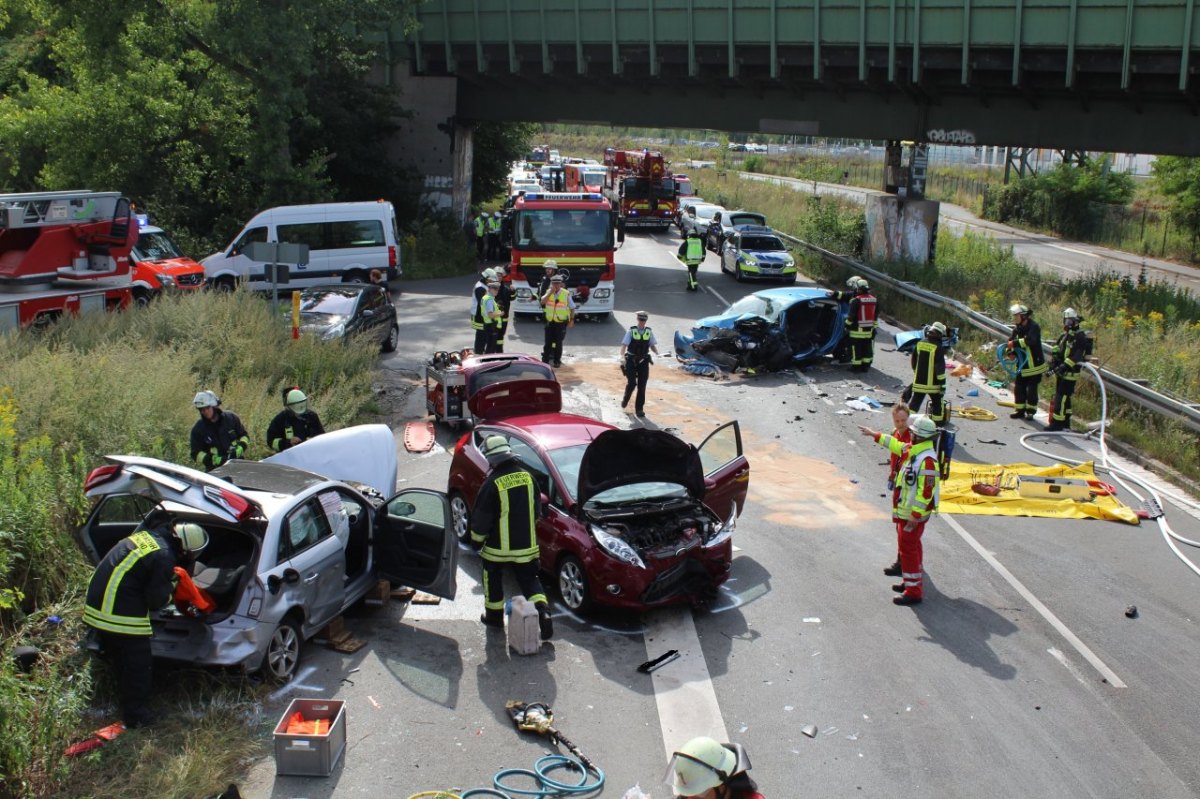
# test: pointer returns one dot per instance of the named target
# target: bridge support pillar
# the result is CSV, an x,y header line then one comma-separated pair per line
x,y
433,142
900,229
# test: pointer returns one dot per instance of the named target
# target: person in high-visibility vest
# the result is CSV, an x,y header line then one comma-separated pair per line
x,y
478,292
559,310
860,322
134,578
704,769
493,236
492,316
928,361
481,229
295,424
504,298
636,347
1027,340
918,481
504,530
218,434
1071,350
691,252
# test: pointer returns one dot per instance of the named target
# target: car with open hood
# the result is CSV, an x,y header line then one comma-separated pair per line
x,y
293,541
755,252
769,330
632,519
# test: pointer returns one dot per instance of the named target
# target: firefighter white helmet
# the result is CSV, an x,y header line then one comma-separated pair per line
x,y
489,274
862,284
495,447
700,765
297,400
1071,313
550,263
206,399
191,537
923,427
852,282
1018,309
937,327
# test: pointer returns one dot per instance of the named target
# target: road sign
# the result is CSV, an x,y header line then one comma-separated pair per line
x,y
277,252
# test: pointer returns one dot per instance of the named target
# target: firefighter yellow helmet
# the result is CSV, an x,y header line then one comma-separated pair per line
x,y
700,765
495,447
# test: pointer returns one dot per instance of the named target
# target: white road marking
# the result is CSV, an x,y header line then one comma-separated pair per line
x,y
1054,621
683,689
808,381
713,292
1061,658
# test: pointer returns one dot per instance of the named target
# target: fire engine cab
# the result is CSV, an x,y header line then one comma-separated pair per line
x,y
63,252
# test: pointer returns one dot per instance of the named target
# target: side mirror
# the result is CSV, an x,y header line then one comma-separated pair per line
x,y
543,499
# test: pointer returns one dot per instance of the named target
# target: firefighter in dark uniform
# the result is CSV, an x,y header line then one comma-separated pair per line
x,y
1026,340
859,322
295,424
218,435
1071,349
691,252
929,375
134,578
504,298
636,347
504,529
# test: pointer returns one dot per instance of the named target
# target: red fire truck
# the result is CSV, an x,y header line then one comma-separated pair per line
x,y
640,187
63,252
579,232
588,178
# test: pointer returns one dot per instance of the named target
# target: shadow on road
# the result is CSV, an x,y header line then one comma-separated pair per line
x,y
963,627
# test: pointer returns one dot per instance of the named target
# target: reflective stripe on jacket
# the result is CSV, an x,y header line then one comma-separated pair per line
x,y
132,579
1070,350
862,310
917,479
504,519
558,306
639,341
929,368
1029,339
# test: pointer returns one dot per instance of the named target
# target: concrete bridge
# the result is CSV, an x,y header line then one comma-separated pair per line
x,y
1112,75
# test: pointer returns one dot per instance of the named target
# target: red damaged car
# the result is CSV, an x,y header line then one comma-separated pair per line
x,y
632,519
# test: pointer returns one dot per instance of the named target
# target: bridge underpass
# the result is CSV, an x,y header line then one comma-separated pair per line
x,y
1107,75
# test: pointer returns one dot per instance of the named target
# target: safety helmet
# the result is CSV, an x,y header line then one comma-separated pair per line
x,y
296,400
550,263
191,537
852,281
642,315
557,277
1017,309
938,328
923,427
1070,314
206,399
497,214
496,446
862,284
489,274
493,284
700,765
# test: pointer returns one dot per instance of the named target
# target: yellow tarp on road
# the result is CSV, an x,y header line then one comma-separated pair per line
x,y
957,496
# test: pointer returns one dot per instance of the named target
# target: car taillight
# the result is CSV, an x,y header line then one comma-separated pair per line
x,y
100,475
240,507
391,256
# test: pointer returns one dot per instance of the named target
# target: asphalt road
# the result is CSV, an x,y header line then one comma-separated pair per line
x,y
1019,675
1059,257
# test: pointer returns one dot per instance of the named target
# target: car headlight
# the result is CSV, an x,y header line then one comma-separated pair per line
x,y
337,331
524,294
617,547
166,281
749,260
789,261
725,531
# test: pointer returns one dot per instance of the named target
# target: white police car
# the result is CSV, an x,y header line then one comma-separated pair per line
x,y
754,252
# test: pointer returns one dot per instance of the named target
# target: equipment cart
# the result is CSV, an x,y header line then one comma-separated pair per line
x,y
446,394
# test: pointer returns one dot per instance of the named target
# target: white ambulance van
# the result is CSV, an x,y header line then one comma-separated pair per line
x,y
345,242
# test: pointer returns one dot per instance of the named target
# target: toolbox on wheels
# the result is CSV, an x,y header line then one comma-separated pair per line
x,y
446,393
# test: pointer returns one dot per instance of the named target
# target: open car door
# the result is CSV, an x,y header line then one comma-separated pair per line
x,y
415,543
726,470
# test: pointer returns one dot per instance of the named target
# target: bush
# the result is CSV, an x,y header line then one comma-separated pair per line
x,y
1069,200
436,246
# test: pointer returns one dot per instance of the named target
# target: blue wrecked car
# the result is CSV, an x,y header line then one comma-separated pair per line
x,y
768,330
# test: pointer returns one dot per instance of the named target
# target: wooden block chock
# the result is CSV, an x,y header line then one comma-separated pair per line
x,y
334,631
379,595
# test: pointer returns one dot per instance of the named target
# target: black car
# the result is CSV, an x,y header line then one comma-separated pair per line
x,y
342,310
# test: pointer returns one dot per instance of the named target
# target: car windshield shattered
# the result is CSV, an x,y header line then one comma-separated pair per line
x,y
755,305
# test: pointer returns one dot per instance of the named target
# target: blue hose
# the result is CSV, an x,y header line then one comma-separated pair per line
x,y
1011,362
539,774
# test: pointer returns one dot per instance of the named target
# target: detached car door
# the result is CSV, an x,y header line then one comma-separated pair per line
x,y
726,470
415,543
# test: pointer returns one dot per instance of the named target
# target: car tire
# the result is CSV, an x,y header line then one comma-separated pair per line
x,y
573,584
393,339
737,273
460,517
225,285
355,276
283,652
141,298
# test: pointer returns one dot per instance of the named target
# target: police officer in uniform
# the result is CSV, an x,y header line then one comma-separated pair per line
x,y
636,347
1026,339
691,252
504,529
559,311
218,435
492,317
493,236
478,292
929,374
136,577
1071,349
295,424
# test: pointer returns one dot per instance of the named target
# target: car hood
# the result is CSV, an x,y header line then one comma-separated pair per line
x,y
624,457
365,453
769,256
173,266
319,322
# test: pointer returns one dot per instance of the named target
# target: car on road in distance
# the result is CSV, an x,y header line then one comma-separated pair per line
x,y
754,252
684,202
724,222
771,329
632,519
289,549
347,310
697,217
158,266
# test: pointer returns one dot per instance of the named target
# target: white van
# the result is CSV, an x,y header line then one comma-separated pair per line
x,y
345,242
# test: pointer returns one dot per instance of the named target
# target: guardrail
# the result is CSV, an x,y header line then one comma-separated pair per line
x,y
1186,413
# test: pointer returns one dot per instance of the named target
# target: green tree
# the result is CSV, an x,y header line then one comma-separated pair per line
x,y
1178,179
495,146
